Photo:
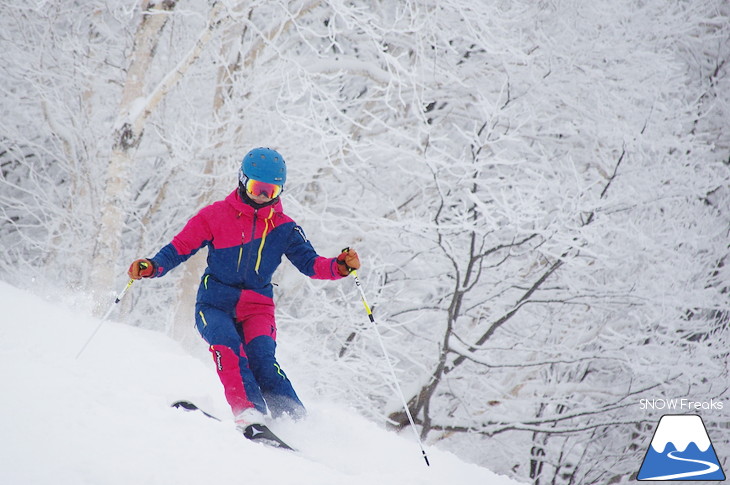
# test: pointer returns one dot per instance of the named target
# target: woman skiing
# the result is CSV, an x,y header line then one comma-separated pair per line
x,y
247,234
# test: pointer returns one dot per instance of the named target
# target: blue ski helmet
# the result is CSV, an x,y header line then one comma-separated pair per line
x,y
264,165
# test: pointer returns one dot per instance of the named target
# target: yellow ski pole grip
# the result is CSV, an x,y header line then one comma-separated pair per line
x,y
353,273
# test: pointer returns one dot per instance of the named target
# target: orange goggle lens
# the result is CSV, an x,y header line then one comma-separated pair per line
x,y
257,188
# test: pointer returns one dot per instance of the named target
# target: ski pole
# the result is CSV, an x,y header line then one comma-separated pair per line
x,y
353,272
106,315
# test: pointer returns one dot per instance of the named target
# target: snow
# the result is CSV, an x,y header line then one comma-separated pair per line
x,y
681,430
105,417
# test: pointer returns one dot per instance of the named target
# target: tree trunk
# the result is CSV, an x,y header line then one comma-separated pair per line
x,y
127,136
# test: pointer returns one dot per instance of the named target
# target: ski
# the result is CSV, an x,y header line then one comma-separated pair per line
x,y
260,433
188,406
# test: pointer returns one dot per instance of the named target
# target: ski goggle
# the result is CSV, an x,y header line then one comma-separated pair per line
x,y
257,188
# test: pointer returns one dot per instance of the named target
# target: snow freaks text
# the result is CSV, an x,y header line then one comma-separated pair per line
x,y
682,404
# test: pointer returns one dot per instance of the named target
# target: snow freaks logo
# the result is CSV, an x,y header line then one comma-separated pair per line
x,y
680,404
681,450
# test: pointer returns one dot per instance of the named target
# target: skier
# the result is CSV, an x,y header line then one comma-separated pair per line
x,y
247,233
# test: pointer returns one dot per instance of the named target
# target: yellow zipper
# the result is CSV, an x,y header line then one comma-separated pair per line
x,y
263,240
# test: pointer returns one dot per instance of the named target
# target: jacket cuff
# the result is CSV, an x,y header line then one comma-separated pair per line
x,y
157,270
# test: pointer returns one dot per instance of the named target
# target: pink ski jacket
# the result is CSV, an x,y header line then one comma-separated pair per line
x,y
245,246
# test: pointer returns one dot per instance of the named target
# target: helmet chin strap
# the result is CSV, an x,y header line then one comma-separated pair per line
x,y
248,200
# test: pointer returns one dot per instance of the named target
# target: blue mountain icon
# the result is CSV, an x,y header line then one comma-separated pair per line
x,y
681,450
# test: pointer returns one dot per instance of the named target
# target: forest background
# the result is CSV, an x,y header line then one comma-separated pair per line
x,y
539,191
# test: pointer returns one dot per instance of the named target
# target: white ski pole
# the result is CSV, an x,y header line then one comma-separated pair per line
x,y
106,315
390,366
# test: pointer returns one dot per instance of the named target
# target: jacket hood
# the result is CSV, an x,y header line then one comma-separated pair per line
x,y
265,215
234,199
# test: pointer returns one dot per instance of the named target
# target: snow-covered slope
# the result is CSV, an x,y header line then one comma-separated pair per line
x,y
104,418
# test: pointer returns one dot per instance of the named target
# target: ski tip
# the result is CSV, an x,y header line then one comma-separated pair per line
x,y
185,405
188,406
261,433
